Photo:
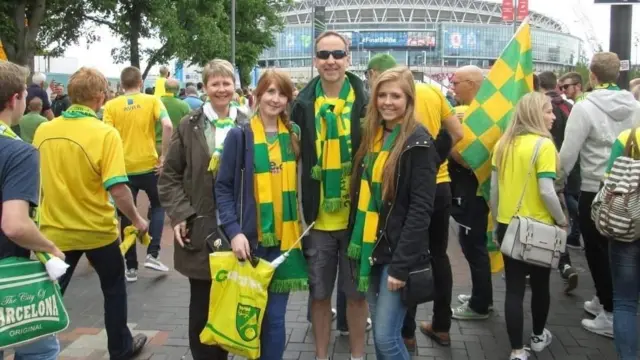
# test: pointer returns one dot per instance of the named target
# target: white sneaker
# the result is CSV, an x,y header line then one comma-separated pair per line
x,y
131,275
522,355
593,307
155,264
539,342
464,298
601,325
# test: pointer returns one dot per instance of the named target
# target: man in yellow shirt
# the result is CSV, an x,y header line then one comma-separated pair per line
x,y
159,88
135,115
433,111
82,166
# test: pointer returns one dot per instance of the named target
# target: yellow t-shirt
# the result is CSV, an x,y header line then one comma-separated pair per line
x,y
431,109
135,116
338,220
511,178
80,159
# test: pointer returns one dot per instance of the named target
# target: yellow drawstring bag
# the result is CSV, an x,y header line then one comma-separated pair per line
x,y
495,255
238,301
130,236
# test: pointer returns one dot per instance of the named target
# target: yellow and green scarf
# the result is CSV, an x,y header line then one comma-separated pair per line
x,y
334,144
79,111
365,229
292,274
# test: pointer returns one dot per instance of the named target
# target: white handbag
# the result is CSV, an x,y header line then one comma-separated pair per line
x,y
532,241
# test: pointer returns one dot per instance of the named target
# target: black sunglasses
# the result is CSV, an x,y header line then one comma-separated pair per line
x,y
566,86
337,54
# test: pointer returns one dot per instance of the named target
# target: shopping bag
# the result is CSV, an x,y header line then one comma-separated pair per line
x,y
238,300
30,302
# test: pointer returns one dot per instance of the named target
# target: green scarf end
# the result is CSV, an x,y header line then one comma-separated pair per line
x,y
316,172
346,169
354,250
332,205
363,283
269,240
288,285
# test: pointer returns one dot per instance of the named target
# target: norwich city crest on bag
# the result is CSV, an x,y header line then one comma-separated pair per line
x,y
247,320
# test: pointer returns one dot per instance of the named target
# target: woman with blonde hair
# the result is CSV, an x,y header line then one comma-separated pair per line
x,y
256,190
394,187
518,187
185,193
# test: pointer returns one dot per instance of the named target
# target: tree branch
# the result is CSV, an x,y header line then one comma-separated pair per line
x,y
111,25
152,61
34,22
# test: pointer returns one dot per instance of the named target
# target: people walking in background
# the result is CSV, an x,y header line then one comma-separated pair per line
x,y
561,109
185,188
192,99
61,102
471,213
332,103
135,115
395,179
159,89
77,209
30,122
176,109
592,127
527,138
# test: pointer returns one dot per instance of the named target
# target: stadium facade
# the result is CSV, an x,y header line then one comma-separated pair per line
x,y
429,36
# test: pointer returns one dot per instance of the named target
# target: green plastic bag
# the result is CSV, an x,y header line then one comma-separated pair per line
x,y
30,303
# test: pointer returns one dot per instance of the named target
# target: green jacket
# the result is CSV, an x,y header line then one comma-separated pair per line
x,y
28,125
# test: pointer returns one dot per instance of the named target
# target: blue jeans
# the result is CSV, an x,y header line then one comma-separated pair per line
x,y
625,273
46,348
273,337
149,184
387,313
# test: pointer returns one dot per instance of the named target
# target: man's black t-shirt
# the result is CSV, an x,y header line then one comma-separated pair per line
x,y
19,180
36,91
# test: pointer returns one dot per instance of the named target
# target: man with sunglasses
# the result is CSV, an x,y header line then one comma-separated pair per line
x,y
571,86
335,96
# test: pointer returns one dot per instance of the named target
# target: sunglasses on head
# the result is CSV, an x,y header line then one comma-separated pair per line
x,y
566,86
337,54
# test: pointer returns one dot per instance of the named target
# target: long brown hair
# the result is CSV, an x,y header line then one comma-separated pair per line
x,y
373,121
286,87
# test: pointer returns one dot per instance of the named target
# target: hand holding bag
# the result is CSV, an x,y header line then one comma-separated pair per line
x,y
419,287
530,240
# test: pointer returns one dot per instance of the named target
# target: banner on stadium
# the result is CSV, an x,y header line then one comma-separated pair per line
x,y
507,10
523,9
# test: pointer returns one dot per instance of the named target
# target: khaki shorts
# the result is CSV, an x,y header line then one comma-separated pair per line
x,y
326,253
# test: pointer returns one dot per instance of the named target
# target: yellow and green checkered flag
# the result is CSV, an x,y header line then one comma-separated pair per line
x,y
488,115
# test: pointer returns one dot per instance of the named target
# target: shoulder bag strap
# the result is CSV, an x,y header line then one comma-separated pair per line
x,y
631,148
532,166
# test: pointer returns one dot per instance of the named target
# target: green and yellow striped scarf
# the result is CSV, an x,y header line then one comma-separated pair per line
x,y
292,274
333,144
363,237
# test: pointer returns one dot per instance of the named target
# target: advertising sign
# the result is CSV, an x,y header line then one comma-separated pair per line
x,y
523,9
507,10
385,39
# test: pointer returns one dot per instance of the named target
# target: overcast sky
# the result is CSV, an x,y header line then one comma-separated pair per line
x,y
99,54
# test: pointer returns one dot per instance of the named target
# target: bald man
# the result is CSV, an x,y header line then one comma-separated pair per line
x,y
471,213
30,122
176,108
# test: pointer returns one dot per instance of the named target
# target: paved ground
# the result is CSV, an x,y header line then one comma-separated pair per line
x,y
158,306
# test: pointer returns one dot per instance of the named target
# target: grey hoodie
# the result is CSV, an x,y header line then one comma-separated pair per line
x,y
592,127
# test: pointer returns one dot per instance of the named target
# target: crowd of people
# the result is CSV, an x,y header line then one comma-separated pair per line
x,y
377,177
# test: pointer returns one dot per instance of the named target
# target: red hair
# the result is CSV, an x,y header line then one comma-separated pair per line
x,y
284,84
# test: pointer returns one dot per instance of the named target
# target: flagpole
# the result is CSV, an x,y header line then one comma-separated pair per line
x,y
515,16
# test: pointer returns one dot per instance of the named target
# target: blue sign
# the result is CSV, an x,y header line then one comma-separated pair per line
x,y
386,39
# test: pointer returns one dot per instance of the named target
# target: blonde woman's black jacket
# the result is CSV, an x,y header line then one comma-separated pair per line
x,y
403,240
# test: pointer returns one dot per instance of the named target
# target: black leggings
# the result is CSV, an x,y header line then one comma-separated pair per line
x,y
516,272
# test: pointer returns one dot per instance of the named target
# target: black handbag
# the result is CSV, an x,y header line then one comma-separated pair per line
x,y
419,287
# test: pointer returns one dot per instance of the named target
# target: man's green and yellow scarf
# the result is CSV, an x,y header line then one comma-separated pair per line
x,y
364,235
292,274
333,144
